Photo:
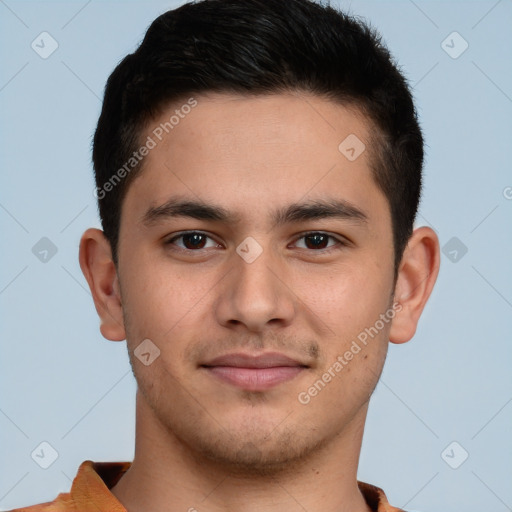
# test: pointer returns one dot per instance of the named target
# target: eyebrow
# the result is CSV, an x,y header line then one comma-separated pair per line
x,y
293,213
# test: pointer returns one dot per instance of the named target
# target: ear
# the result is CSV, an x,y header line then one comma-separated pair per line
x,y
417,275
101,274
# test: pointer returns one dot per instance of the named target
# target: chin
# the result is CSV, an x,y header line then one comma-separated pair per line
x,y
255,451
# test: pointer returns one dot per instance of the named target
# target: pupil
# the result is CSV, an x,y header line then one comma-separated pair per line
x,y
319,241
194,240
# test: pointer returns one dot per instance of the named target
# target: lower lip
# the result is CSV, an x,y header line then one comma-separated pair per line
x,y
255,379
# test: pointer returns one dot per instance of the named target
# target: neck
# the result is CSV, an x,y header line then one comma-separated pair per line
x,y
168,476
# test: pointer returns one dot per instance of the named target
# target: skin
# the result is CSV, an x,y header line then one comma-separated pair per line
x,y
202,443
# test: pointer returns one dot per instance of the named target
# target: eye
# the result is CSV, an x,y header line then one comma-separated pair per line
x,y
192,240
197,240
318,240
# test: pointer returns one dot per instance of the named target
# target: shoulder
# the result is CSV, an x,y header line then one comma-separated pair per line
x,y
90,490
376,498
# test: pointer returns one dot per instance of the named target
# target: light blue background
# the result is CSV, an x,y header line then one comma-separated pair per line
x,y
61,382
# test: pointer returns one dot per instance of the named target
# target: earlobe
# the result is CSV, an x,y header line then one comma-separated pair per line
x,y
416,278
101,275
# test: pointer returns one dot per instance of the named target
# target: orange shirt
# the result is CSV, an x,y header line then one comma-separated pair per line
x,y
90,492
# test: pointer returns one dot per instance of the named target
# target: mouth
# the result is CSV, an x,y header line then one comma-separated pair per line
x,y
254,373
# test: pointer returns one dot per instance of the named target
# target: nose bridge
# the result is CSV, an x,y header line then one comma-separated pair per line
x,y
256,278
255,294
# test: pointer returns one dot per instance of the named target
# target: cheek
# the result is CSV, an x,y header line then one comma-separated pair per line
x,y
161,302
346,298
350,303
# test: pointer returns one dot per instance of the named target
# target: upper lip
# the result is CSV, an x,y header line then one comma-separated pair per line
x,y
240,360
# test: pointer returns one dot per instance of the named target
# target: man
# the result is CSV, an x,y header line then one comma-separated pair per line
x,y
258,170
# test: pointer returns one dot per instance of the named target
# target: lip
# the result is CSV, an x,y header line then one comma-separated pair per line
x,y
254,373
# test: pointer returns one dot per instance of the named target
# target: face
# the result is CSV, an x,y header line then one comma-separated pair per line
x,y
257,256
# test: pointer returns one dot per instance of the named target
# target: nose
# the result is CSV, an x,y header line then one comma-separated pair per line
x,y
255,295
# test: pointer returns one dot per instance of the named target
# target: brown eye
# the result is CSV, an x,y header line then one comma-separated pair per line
x,y
191,241
194,241
318,241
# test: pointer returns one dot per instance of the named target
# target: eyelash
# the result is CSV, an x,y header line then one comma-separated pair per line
x,y
340,243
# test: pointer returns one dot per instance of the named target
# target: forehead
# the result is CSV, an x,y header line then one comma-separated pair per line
x,y
237,124
250,152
